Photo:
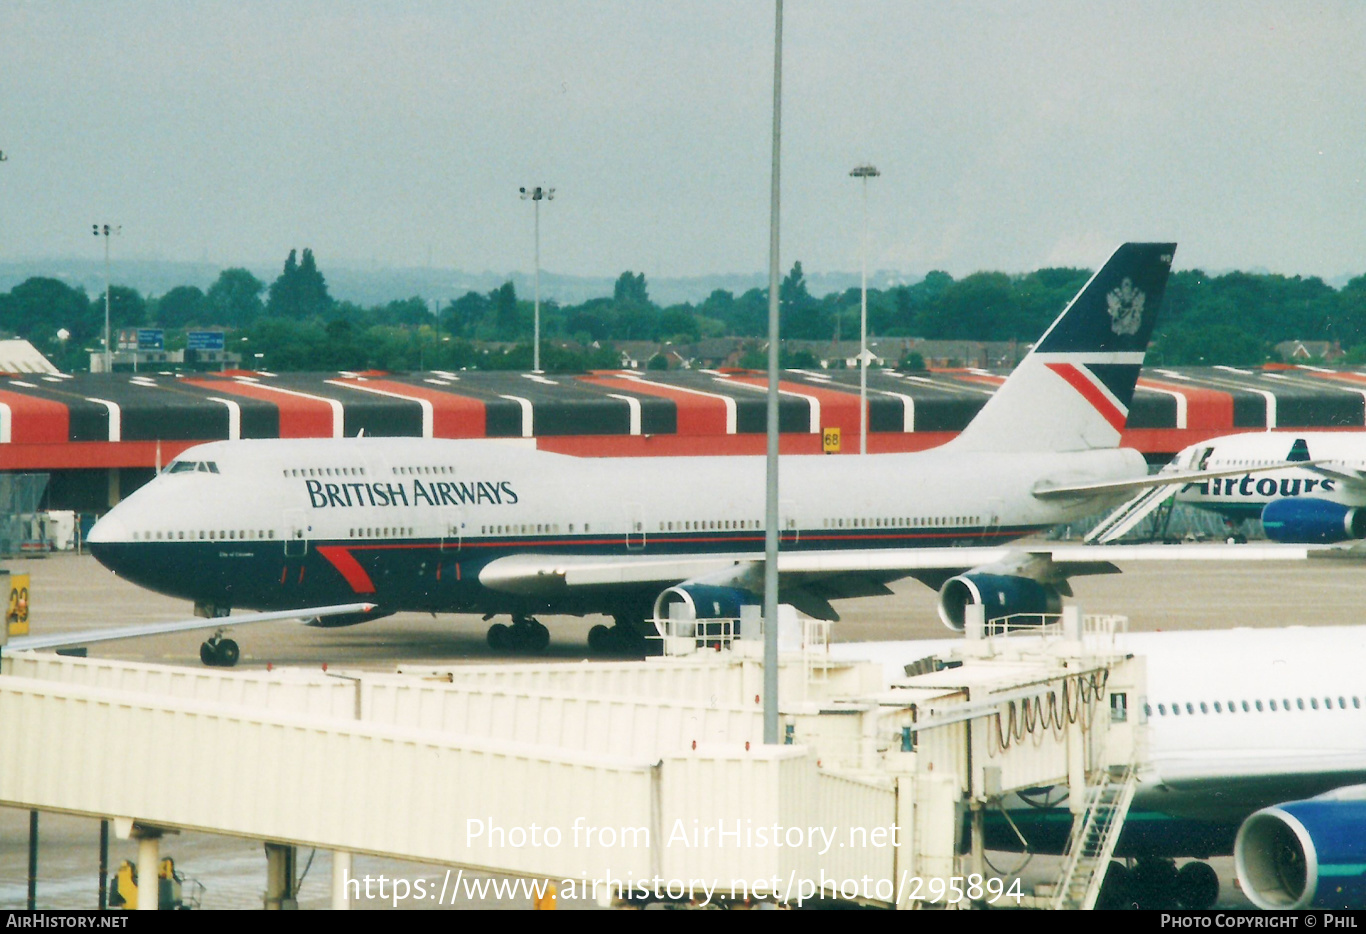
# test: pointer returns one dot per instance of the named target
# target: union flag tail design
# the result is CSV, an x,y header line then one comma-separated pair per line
x,y
1073,391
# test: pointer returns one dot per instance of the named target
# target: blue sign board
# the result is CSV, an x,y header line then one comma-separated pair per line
x,y
151,339
204,340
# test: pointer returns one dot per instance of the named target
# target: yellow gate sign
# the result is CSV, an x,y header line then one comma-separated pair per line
x,y
830,440
16,612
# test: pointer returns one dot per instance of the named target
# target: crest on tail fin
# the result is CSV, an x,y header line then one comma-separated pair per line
x,y
1126,308
1073,391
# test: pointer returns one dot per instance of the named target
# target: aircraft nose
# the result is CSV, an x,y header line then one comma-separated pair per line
x,y
110,529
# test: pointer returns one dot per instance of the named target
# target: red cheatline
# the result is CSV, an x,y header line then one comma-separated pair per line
x,y
1091,393
350,568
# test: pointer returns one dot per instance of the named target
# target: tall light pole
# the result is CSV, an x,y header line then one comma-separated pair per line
x,y
106,231
863,173
537,195
771,409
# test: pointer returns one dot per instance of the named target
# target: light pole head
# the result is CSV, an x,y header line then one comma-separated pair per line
x,y
538,193
864,171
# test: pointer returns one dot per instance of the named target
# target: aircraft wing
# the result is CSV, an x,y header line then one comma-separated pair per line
x,y
108,634
543,573
1349,476
810,579
1061,490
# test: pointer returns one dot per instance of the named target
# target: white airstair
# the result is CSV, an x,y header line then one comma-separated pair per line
x,y
1126,517
1094,834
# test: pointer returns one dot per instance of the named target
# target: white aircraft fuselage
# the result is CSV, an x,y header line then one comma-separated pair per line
x,y
410,523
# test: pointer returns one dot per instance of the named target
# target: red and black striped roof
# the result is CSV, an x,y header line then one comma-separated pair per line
x,y
127,420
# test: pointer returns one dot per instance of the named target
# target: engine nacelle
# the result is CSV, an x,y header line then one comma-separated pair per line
x,y
1001,594
704,601
1310,520
1305,854
348,619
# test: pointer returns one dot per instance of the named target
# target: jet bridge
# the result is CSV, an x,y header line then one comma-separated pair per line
x,y
621,781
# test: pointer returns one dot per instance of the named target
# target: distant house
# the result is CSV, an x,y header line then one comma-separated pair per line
x,y
888,352
1301,351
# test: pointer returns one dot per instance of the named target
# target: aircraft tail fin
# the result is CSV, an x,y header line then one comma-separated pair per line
x,y
1073,390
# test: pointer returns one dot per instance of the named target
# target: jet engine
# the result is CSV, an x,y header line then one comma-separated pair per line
x,y
1310,520
1305,854
348,619
704,601
1003,595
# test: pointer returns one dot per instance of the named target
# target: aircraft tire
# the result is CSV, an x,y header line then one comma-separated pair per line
x,y
228,653
1152,883
207,655
540,637
1197,886
600,639
1114,891
500,637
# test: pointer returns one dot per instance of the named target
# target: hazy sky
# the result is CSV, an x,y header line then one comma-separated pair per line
x,y
1010,135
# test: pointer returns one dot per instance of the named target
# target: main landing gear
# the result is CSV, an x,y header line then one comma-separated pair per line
x,y
622,638
526,634
1156,883
218,652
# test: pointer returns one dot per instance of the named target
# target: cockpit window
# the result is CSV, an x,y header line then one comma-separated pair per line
x,y
192,467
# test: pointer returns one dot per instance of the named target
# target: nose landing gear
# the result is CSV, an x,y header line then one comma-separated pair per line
x,y
217,652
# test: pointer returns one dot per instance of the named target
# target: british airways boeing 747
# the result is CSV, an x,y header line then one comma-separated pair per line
x,y
502,528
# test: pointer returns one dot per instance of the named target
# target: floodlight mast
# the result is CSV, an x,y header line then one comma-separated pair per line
x,y
863,173
106,231
536,196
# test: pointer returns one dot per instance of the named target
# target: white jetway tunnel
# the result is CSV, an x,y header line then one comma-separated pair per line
x,y
608,773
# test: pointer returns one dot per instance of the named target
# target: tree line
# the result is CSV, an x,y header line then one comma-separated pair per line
x,y
295,324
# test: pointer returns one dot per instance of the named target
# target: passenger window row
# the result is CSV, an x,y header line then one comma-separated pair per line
x,y
422,471
1190,708
526,528
243,535
324,472
893,523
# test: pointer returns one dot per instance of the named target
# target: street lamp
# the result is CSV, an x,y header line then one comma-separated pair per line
x,y
537,195
106,231
863,173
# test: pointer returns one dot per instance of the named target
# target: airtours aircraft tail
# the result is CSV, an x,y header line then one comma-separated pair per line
x,y
503,528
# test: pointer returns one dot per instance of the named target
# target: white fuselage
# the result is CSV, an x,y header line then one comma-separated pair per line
x,y
1245,496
